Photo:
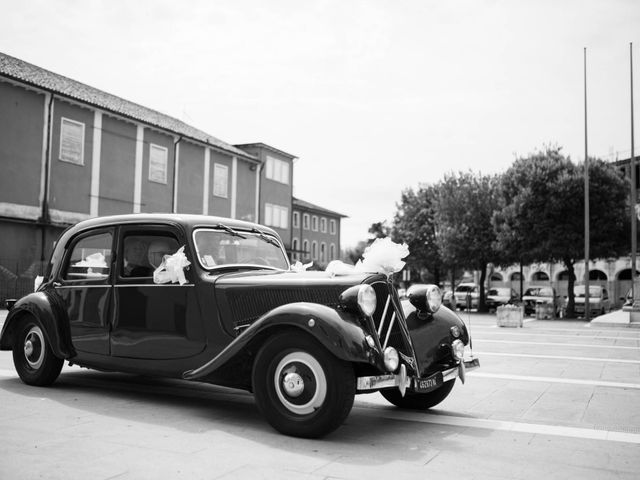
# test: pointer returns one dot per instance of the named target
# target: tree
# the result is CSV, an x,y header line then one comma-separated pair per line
x,y
542,215
414,224
378,230
464,207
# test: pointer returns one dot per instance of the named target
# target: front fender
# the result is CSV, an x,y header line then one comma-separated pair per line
x,y
339,332
431,337
43,306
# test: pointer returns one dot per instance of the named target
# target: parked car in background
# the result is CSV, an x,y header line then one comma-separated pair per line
x,y
536,295
497,297
214,300
467,293
599,301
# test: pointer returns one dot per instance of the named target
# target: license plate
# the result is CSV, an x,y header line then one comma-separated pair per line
x,y
422,385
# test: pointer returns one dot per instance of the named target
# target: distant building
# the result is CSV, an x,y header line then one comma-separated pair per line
x,y
315,233
69,152
275,188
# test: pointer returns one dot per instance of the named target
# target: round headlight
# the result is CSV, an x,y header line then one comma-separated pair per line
x,y
367,300
457,348
426,298
391,359
434,298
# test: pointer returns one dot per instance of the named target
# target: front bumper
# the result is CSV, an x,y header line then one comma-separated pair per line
x,y
416,384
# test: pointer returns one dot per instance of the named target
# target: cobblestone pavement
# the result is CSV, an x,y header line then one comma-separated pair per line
x,y
553,399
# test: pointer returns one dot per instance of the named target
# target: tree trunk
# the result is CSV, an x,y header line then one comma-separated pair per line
x,y
570,297
483,277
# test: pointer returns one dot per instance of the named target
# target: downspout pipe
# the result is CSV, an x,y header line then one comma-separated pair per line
x,y
174,196
262,164
45,218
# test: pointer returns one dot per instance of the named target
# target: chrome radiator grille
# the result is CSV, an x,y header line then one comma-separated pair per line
x,y
390,323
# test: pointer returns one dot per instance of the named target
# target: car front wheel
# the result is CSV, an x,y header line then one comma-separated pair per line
x,y
32,356
301,388
419,401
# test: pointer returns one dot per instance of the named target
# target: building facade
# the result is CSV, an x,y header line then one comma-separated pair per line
x,y
275,187
69,152
315,234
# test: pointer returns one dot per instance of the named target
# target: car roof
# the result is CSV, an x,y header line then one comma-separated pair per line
x,y
187,221
191,220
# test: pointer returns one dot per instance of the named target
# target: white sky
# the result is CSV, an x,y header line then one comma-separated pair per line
x,y
372,96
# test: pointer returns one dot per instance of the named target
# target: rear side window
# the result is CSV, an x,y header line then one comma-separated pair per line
x,y
90,258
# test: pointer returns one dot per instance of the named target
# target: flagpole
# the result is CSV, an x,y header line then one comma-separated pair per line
x,y
586,199
634,220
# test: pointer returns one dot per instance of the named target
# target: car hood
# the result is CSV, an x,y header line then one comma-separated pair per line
x,y
244,297
539,299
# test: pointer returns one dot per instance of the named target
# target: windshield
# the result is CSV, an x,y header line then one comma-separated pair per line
x,y
465,288
224,247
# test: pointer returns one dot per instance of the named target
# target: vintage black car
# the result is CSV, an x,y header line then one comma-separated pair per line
x,y
215,300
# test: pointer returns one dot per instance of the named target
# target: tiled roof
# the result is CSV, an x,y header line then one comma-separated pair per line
x,y
24,72
310,206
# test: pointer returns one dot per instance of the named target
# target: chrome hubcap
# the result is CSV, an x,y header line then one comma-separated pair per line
x,y
28,348
34,347
293,384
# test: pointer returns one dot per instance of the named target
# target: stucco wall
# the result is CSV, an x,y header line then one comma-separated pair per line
x,y
117,166
21,144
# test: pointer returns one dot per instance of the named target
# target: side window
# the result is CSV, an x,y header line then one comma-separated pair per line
x,y
144,253
90,258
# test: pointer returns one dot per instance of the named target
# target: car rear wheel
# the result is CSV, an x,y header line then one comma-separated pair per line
x,y
301,388
32,356
419,401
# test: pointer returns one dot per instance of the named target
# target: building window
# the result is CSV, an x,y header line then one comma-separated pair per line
x,y
276,216
314,223
332,227
305,248
277,170
294,249
296,219
220,180
323,225
332,252
314,250
305,221
158,157
72,141
323,253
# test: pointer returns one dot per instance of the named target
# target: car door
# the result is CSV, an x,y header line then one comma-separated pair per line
x,y
84,287
153,320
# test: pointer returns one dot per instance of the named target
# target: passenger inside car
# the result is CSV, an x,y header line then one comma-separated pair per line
x,y
135,258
